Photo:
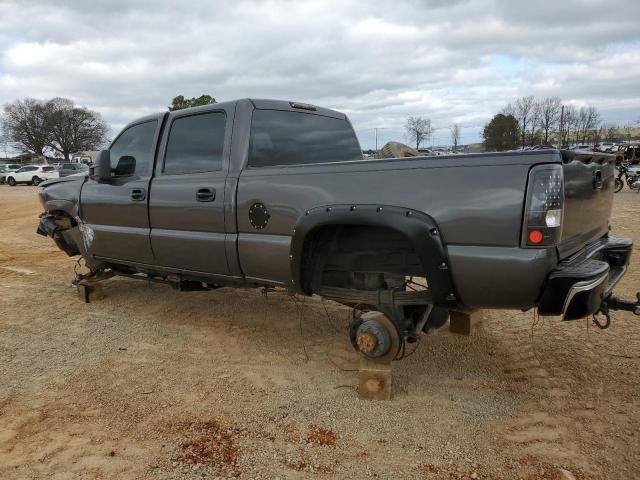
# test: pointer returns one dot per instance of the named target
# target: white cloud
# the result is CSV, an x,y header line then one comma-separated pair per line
x,y
378,61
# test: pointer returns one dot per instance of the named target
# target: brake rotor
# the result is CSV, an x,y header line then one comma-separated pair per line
x,y
377,331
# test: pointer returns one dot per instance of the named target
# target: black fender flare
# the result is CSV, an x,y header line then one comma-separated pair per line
x,y
419,228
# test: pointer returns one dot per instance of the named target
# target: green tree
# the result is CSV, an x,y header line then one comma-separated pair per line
x,y
501,133
179,102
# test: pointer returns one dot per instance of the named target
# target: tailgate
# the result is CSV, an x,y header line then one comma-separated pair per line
x,y
588,193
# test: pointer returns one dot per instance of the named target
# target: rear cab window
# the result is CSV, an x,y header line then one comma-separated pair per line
x,y
281,137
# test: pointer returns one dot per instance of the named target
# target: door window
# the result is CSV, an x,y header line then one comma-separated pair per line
x,y
135,142
195,144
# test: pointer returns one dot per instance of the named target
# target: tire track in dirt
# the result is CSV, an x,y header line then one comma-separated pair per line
x,y
560,408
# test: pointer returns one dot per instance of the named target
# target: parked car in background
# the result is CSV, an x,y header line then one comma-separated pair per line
x,y
632,154
67,169
605,147
32,175
7,169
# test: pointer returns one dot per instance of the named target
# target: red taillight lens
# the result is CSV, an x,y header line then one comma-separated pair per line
x,y
535,236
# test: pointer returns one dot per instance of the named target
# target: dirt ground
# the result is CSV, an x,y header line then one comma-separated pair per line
x,y
149,383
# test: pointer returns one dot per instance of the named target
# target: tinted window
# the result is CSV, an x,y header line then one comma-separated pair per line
x,y
288,138
47,169
136,142
195,144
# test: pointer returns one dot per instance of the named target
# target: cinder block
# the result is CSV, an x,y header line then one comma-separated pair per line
x,y
465,323
375,380
90,293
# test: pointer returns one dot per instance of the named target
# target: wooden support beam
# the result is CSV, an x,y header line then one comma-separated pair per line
x,y
374,380
465,323
89,293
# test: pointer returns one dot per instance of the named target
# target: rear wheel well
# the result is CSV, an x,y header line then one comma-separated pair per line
x,y
361,257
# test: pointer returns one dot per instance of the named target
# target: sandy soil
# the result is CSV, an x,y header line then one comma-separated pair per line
x,y
154,384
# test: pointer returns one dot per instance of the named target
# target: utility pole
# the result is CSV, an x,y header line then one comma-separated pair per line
x,y
376,130
562,126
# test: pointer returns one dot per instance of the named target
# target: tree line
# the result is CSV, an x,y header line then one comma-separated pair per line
x,y
529,121
58,125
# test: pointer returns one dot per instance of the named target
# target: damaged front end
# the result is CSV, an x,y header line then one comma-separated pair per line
x,y
63,230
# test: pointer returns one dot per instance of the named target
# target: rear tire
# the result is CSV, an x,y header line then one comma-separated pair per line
x,y
11,181
618,185
35,181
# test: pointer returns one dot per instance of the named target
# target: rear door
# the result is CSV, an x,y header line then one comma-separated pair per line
x,y
116,211
186,206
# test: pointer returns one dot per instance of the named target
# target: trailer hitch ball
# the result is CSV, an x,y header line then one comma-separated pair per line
x,y
373,339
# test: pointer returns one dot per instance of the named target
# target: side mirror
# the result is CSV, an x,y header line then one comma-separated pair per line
x,y
102,168
126,166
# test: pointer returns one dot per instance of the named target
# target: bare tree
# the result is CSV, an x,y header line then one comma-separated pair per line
x,y
550,109
24,126
534,122
611,132
418,130
455,136
569,123
74,128
522,110
588,120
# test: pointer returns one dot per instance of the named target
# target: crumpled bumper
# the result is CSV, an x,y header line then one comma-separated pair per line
x,y
49,227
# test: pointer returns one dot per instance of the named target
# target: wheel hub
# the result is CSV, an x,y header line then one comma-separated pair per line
x,y
376,337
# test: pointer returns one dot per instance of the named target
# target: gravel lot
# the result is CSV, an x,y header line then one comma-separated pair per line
x,y
154,384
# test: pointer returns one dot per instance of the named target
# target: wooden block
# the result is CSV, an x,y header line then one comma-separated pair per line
x,y
464,323
374,380
89,293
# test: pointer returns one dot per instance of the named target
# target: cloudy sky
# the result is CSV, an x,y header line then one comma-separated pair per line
x,y
379,61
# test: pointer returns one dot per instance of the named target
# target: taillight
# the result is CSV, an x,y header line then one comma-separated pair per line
x,y
543,208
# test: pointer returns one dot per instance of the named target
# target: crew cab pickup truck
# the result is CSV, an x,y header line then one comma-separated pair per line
x,y
277,194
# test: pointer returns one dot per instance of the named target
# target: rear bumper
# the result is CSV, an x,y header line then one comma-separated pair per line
x,y
577,286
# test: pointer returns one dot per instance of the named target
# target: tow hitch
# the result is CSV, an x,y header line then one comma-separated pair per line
x,y
613,303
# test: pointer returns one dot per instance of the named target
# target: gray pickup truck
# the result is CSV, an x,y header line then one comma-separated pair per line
x,y
277,194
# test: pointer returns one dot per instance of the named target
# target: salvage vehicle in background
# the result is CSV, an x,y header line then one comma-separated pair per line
x,y
32,175
632,154
288,201
7,169
66,169
631,177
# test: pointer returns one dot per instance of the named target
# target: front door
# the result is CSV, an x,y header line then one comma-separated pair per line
x,y
186,206
117,211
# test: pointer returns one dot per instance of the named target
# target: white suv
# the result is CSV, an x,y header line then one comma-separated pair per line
x,y
32,175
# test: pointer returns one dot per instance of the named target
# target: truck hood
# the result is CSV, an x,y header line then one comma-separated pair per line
x,y
70,178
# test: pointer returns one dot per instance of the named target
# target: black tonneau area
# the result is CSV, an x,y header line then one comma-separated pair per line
x,y
588,192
